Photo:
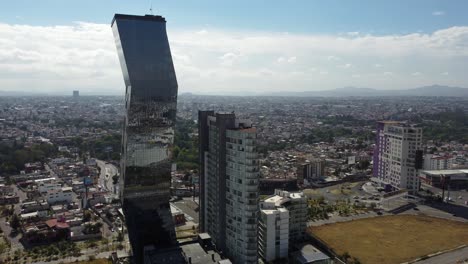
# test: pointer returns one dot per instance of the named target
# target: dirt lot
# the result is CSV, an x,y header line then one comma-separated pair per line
x,y
392,239
97,261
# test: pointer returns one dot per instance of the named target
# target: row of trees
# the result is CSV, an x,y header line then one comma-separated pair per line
x,y
13,158
319,209
446,126
185,146
104,148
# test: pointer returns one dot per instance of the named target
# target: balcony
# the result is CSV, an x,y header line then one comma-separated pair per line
x,y
251,175
251,188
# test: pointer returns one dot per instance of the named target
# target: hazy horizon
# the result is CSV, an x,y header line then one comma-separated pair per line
x,y
273,51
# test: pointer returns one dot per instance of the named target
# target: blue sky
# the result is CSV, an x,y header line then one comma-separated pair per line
x,y
221,46
332,16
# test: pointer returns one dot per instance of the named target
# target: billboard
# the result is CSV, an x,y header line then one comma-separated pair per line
x,y
87,181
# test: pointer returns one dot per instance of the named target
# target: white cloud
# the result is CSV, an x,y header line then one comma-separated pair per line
x,y
202,32
333,58
353,33
83,56
356,76
438,13
445,73
229,58
378,65
345,66
387,73
416,74
292,59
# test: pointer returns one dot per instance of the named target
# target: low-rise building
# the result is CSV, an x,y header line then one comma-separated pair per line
x,y
273,234
283,222
453,179
199,251
308,254
62,195
438,162
44,187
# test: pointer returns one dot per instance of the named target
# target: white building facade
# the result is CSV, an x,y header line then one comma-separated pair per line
x,y
229,172
283,222
273,234
59,196
438,162
395,152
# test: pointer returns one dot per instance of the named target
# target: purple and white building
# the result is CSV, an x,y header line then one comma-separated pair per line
x,y
394,160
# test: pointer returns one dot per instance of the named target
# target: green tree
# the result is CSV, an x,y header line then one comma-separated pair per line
x,y
86,216
363,165
15,222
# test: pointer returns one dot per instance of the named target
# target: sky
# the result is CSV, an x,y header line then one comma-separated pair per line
x,y
240,47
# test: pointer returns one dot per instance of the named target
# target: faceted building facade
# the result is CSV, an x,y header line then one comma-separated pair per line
x,y
148,133
229,172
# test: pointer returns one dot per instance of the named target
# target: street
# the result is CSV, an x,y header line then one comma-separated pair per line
x,y
452,257
108,170
335,192
14,240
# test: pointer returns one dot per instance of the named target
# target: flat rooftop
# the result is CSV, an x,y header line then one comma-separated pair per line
x,y
276,199
137,17
445,172
179,254
308,254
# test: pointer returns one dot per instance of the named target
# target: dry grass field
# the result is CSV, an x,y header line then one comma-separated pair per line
x,y
392,239
96,261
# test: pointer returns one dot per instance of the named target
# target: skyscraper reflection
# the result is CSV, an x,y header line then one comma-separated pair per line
x,y
148,133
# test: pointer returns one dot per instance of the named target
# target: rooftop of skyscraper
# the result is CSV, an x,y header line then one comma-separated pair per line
x,y
136,17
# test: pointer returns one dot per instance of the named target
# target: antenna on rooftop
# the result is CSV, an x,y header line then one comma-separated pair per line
x,y
151,8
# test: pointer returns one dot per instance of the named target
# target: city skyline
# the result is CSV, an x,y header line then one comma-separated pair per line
x,y
274,51
248,132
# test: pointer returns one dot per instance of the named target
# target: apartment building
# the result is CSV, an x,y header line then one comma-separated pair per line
x,y
283,222
229,172
397,155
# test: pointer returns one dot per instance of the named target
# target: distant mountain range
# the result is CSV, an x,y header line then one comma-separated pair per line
x,y
19,93
433,90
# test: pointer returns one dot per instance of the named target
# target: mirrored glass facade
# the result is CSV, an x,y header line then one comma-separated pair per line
x,y
148,133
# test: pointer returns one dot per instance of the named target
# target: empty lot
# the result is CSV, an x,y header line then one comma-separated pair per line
x,y
392,239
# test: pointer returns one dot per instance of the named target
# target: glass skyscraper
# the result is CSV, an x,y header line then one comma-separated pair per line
x,y
148,133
